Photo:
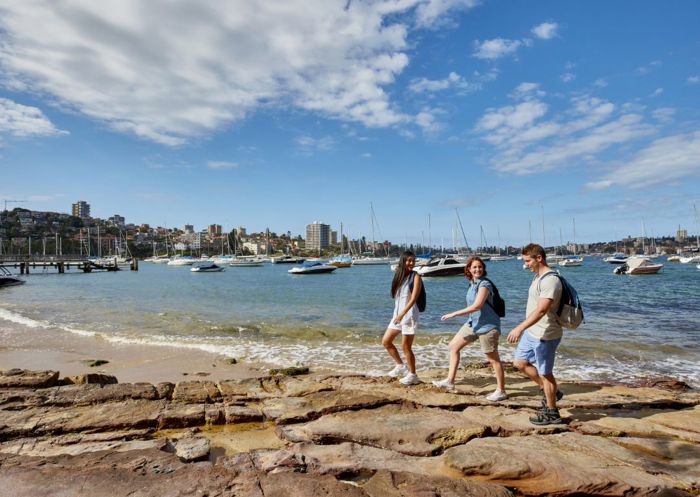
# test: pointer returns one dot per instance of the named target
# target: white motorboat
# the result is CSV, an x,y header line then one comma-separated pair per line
x,y
497,258
237,262
287,259
312,268
443,266
207,268
370,261
8,279
222,259
571,262
690,259
616,259
673,258
638,265
184,260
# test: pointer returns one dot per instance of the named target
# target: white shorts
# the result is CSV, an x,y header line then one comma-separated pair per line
x,y
407,328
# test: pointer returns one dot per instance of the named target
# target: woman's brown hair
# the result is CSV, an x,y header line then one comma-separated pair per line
x,y
467,273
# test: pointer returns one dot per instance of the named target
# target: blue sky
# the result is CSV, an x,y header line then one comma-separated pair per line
x,y
278,114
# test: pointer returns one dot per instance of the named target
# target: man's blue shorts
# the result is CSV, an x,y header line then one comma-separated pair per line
x,y
538,352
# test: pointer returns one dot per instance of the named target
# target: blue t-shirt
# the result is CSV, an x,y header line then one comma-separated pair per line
x,y
485,319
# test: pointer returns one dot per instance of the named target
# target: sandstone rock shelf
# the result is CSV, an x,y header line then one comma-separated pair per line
x,y
346,435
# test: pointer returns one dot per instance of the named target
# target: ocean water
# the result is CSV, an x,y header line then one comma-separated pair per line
x,y
636,326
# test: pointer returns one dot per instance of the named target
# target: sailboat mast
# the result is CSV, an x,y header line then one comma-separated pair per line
x,y
462,228
544,240
371,218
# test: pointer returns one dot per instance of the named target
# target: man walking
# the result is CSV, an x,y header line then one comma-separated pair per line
x,y
540,333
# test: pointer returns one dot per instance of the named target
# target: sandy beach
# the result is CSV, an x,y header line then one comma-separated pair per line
x,y
40,349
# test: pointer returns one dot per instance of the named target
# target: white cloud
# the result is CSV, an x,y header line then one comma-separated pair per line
x,y
219,164
656,92
693,80
663,160
24,121
170,71
496,48
664,114
430,13
452,81
546,30
524,143
366,155
643,70
600,83
567,77
309,144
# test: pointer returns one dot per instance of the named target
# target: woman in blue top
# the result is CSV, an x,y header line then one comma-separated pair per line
x,y
483,324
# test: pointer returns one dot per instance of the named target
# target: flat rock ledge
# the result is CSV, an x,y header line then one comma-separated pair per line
x,y
341,435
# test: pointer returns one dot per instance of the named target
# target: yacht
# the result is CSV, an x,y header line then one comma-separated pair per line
x,y
312,268
208,267
182,260
370,261
238,262
616,259
571,261
7,279
497,257
287,259
689,259
638,265
443,266
341,261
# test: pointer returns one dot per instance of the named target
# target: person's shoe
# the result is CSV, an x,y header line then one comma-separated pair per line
x,y
410,379
547,416
446,384
497,396
399,370
559,396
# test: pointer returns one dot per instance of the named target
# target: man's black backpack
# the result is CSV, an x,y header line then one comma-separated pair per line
x,y
421,302
499,305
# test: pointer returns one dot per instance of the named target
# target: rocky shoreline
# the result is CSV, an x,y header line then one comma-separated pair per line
x,y
321,434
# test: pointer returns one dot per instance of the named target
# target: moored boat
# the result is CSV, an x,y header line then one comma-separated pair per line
x,y
287,259
616,259
312,268
638,265
571,262
443,266
8,279
207,268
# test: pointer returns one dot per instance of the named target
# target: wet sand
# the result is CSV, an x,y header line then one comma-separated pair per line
x,y
39,349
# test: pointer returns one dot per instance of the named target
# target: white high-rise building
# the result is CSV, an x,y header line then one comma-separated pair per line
x,y
318,236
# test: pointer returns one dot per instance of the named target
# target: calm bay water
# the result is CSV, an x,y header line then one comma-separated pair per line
x,y
636,326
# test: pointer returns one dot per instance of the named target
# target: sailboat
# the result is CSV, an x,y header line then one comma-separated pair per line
x,y
574,260
372,260
343,259
693,258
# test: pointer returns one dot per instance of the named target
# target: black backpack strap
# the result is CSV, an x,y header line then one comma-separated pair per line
x,y
411,277
491,294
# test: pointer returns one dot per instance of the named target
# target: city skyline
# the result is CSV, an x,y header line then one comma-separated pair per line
x,y
522,117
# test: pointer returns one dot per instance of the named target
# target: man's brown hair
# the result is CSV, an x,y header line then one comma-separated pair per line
x,y
533,250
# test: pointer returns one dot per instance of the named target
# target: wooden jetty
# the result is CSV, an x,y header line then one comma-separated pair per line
x,y
62,263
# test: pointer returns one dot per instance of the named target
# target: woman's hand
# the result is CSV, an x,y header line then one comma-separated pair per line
x,y
397,319
447,316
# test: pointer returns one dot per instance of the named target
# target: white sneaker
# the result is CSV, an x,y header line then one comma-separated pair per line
x,y
446,384
410,379
497,396
399,370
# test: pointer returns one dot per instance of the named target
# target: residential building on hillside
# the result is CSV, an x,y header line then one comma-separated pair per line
x,y
318,236
81,209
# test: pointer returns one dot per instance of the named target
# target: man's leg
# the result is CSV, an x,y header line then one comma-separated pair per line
x,y
549,384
